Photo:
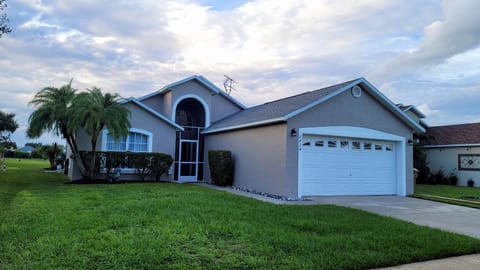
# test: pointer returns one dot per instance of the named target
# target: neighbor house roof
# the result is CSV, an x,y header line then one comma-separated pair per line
x,y
453,135
152,111
283,109
26,149
200,79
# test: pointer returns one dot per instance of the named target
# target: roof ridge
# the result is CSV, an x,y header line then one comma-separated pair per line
x,y
309,92
456,125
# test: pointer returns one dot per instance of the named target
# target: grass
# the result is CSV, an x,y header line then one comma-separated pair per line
x,y
465,196
46,224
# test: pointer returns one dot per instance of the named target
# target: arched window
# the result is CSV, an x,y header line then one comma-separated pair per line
x,y
136,141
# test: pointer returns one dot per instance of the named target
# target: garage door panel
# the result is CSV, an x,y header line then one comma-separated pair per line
x,y
352,167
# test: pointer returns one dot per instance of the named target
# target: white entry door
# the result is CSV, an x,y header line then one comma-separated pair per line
x,y
347,166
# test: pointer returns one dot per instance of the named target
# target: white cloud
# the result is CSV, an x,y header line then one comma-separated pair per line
x,y
272,48
456,33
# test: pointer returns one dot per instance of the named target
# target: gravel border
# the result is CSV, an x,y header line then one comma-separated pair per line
x,y
268,195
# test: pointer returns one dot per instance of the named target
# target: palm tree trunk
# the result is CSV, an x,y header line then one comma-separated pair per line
x,y
76,154
91,169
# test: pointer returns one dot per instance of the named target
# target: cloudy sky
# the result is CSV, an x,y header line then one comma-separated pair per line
x,y
424,52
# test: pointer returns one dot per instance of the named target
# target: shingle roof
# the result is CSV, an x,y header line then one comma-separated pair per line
x,y
274,111
454,134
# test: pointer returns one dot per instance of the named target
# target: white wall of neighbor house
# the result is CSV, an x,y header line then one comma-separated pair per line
x,y
446,159
346,110
259,157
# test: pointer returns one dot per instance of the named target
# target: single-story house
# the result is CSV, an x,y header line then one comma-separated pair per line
x,y
455,149
345,139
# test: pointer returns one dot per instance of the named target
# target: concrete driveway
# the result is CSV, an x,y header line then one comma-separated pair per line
x,y
443,216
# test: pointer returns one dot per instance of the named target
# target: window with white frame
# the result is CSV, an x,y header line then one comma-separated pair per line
x,y
134,142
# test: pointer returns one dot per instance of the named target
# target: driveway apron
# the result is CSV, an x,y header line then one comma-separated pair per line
x,y
459,219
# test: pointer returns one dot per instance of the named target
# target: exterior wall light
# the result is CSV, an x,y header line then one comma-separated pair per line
x,y
293,132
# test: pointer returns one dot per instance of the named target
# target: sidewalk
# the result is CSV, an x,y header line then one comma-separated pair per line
x,y
466,262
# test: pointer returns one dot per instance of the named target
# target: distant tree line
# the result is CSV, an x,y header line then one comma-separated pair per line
x,y
8,125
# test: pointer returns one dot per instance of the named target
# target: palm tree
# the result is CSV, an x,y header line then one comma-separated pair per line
x,y
51,115
93,111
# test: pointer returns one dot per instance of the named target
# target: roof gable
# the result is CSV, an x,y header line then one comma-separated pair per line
x,y
283,109
200,79
454,135
152,111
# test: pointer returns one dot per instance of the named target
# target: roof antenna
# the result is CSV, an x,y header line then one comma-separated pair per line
x,y
229,84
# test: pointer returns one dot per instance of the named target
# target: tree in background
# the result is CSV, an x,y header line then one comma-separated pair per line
x,y
4,29
92,111
8,125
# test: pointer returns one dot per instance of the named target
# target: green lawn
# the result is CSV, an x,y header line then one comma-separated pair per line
x,y
46,224
461,195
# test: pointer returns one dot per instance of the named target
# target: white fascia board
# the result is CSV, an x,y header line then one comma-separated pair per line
x,y
313,104
247,125
416,111
150,110
451,145
351,132
387,102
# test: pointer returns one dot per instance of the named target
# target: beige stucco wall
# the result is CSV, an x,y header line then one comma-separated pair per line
x,y
259,157
218,106
155,102
345,110
446,159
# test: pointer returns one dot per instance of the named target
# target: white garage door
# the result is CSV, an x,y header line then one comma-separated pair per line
x,y
347,166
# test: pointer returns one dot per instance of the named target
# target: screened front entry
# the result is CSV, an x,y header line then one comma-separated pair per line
x,y
190,114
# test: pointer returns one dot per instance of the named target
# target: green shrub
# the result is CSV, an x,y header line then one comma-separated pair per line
x,y
221,167
145,164
159,164
452,179
19,154
141,163
439,178
470,182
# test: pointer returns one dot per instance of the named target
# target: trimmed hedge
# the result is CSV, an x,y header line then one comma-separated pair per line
x,y
145,164
221,167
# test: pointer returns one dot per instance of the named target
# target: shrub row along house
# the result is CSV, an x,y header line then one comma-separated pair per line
x,y
345,139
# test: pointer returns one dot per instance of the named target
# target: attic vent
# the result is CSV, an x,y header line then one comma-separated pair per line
x,y
356,91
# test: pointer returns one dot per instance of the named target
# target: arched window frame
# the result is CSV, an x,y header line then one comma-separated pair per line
x,y
131,130
199,99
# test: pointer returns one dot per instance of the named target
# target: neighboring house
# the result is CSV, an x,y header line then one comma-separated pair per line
x,y
346,139
455,148
26,149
